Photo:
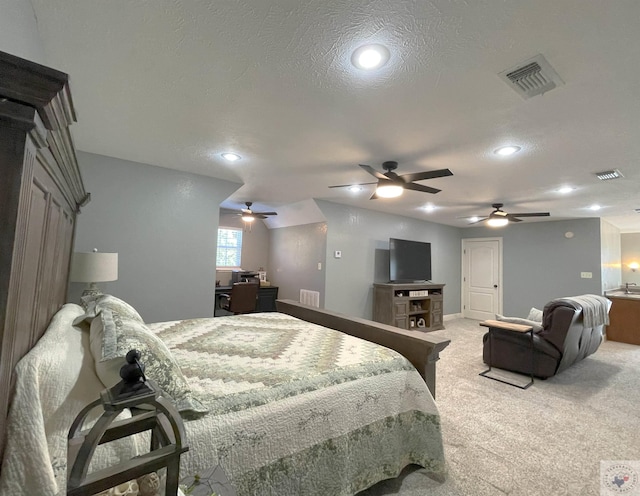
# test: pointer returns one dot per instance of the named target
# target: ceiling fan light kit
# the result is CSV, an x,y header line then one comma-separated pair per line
x,y
497,221
389,190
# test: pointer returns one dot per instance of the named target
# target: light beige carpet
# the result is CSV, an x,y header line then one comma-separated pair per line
x,y
546,440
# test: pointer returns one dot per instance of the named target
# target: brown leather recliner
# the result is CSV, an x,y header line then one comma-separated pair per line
x,y
563,340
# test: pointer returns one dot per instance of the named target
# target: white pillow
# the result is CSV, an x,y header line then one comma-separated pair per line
x,y
112,336
535,315
516,320
93,305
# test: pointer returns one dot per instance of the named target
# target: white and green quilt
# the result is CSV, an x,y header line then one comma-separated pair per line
x,y
295,408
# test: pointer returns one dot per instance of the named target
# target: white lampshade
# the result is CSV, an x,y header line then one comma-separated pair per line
x,y
94,267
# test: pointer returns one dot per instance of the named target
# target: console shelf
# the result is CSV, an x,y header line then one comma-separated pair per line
x,y
412,306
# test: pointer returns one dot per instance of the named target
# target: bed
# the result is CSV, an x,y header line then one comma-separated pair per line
x,y
41,198
290,407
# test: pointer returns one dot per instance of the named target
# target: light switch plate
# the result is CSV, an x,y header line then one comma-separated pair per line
x,y
337,254
586,275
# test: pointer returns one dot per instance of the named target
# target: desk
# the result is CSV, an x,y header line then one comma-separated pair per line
x,y
267,296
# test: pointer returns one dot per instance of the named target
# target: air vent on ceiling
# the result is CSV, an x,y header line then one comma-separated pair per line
x,y
533,77
608,175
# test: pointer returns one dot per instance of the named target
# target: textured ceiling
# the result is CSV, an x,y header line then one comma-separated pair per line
x,y
175,83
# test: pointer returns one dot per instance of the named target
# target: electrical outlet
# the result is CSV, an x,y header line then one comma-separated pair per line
x,y
586,275
319,265
337,254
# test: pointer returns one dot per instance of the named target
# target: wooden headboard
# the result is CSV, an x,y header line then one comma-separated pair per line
x,y
41,191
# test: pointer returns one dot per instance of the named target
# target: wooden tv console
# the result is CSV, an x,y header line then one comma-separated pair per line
x,y
412,306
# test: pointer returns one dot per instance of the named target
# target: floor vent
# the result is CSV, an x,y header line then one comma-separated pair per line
x,y
533,77
311,298
608,175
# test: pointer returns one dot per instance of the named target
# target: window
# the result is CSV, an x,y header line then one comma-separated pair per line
x,y
229,254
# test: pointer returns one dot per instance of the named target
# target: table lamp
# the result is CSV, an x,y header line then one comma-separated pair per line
x,y
92,268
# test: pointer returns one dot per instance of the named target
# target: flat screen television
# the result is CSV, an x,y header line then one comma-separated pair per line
x,y
409,261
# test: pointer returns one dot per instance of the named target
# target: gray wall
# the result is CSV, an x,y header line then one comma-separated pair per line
x,y
363,238
163,224
540,263
19,31
610,256
630,246
294,256
255,246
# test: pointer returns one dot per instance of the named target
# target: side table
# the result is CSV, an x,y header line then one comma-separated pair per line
x,y
508,327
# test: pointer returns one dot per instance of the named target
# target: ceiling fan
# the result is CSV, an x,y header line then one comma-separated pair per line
x,y
391,184
249,215
499,217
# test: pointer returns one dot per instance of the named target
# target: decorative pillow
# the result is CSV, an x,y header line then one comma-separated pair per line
x,y
537,327
112,336
94,304
535,315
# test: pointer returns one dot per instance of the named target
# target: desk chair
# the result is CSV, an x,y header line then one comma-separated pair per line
x,y
243,298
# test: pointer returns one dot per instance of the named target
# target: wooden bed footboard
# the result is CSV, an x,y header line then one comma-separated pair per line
x,y
421,349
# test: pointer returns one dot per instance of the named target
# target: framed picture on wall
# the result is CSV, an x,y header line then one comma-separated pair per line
x,y
262,275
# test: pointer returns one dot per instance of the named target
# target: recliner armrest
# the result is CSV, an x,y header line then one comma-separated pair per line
x,y
509,326
524,340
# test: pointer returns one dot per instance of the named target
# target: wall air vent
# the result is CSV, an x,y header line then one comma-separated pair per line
x,y
608,175
533,77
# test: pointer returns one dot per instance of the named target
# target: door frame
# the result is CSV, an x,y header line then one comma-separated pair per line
x,y
465,273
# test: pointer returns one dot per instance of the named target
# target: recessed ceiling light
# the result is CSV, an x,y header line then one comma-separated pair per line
x,y
231,157
505,151
429,208
566,189
370,57
355,188
595,207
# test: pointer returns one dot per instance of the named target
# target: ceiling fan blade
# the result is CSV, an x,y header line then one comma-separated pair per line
x,y
479,220
513,218
349,185
420,187
421,176
265,213
532,214
374,196
373,172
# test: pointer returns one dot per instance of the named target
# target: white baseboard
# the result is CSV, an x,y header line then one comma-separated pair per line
x,y
451,316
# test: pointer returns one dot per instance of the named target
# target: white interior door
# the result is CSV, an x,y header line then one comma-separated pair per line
x,y
481,278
